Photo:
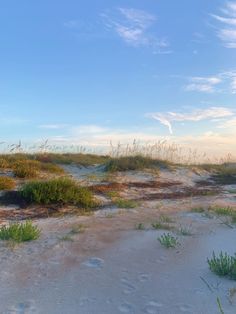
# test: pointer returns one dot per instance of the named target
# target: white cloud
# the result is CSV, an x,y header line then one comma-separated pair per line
x,y
203,84
227,32
134,27
221,82
196,115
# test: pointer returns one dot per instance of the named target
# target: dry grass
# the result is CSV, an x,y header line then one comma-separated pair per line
x,y
7,183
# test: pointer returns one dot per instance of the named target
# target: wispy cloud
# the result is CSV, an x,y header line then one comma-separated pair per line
x,y
203,84
211,114
134,27
220,82
227,28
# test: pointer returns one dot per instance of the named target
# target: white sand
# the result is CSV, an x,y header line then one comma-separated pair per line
x,y
134,275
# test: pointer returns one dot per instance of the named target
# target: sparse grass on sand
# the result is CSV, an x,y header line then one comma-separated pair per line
x,y
168,241
124,203
224,173
57,191
7,183
134,163
223,265
164,223
19,232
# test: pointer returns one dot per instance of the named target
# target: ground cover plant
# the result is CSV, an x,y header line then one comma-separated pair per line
x,y
168,241
124,203
223,265
20,232
134,163
7,183
57,191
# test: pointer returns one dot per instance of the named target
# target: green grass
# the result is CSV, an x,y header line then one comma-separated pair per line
x,y
198,210
20,232
184,231
168,241
224,211
158,225
223,265
134,163
57,191
124,203
140,226
7,183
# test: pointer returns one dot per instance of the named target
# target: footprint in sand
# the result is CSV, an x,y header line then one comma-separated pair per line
x,y
153,307
22,308
94,262
128,287
143,277
126,308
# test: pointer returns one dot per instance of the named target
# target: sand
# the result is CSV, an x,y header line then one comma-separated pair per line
x,y
113,268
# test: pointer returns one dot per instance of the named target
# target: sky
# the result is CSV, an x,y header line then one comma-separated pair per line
x,y
91,72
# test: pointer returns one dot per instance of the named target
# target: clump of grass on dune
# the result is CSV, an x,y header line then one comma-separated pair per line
x,y
57,191
7,183
20,232
134,163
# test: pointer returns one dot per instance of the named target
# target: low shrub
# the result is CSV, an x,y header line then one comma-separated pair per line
x,y
57,191
20,232
223,265
7,183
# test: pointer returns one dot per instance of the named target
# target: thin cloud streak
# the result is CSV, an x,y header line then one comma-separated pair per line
x,y
211,114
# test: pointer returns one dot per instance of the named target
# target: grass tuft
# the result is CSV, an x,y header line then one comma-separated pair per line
x,y
168,241
19,232
223,265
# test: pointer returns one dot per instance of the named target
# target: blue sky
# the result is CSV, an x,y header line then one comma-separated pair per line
x,y
88,72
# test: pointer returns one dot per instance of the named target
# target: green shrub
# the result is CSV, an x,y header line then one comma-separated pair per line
x,y
168,241
20,232
223,265
7,183
134,163
57,191
51,168
26,169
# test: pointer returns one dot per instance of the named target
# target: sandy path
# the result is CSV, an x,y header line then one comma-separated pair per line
x,y
134,275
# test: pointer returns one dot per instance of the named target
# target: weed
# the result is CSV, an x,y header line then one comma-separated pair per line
x,y
124,203
109,215
219,306
78,228
185,231
20,232
223,265
140,226
222,211
57,191
197,210
166,219
113,194
161,225
168,241
7,183
66,237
